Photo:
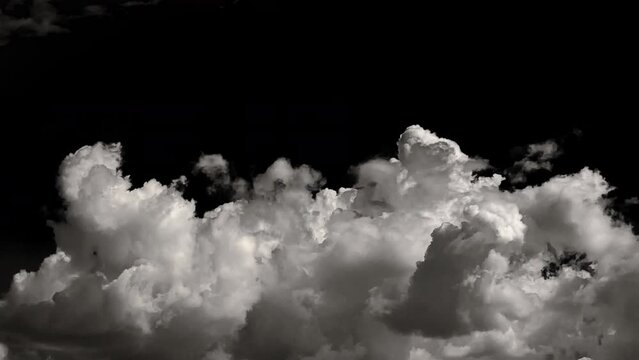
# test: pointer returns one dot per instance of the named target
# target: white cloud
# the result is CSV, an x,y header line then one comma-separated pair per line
x,y
421,260
282,175
216,168
139,261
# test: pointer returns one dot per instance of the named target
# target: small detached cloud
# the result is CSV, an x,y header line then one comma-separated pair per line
x,y
216,168
632,201
538,157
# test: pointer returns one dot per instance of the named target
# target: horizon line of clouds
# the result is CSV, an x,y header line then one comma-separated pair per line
x,y
422,259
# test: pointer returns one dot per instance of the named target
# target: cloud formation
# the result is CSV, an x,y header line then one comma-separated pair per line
x,y
420,260
538,157
43,17
216,168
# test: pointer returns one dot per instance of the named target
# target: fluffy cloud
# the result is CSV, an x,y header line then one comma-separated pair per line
x,y
420,260
216,168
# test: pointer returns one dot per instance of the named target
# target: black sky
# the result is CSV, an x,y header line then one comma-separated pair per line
x,y
254,83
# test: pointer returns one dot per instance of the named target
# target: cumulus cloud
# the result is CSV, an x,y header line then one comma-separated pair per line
x,y
538,157
421,260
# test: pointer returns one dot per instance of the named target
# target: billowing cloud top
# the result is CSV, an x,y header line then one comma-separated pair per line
x,y
421,260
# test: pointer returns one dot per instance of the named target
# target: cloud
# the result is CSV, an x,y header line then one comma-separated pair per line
x,y
132,262
538,157
421,260
216,169
42,20
44,17
632,201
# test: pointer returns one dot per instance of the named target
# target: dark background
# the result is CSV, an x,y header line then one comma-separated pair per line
x,y
330,86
